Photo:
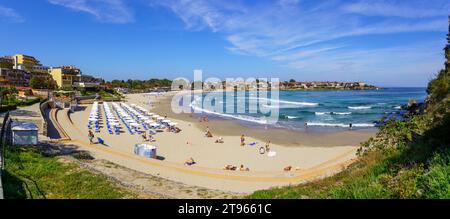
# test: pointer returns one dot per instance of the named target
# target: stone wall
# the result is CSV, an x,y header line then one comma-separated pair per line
x,y
43,107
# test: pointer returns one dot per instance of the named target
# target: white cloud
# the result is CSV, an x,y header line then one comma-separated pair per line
x,y
10,15
290,31
111,11
406,9
413,64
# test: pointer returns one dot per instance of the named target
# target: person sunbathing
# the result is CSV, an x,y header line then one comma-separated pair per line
x,y
189,162
220,140
288,168
230,167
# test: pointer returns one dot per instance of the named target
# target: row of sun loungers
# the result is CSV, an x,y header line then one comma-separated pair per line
x,y
160,121
132,116
129,122
94,117
111,121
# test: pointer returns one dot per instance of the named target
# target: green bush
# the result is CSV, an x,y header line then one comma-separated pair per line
x,y
7,108
439,87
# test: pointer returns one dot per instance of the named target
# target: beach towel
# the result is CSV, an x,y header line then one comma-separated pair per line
x,y
272,154
253,143
100,141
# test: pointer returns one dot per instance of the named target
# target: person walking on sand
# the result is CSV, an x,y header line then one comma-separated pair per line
x,y
242,168
268,146
91,137
144,136
242,140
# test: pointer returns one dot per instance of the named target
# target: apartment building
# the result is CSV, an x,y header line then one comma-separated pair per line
x,y
14,78
25,62
65,76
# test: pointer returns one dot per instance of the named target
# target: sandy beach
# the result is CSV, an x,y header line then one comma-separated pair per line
x,y
311,155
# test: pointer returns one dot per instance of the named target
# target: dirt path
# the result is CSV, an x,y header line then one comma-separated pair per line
x,y
146,186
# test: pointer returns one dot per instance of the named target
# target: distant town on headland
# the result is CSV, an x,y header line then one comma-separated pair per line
x,y
325,85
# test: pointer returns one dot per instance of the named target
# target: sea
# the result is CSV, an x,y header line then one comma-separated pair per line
x,y
298,110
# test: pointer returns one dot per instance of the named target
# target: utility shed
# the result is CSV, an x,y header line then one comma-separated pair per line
x,y
24,133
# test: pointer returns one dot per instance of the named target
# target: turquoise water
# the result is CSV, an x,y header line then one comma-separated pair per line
x,y
331,109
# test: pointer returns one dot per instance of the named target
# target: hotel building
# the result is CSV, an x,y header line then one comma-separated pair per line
x,y
25,62
65,76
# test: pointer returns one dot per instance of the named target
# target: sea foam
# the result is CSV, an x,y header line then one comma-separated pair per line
x,y
238,117
340,124
359,107
285,102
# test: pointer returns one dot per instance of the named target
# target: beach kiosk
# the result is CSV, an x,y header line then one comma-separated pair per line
x,y
24,133
145,150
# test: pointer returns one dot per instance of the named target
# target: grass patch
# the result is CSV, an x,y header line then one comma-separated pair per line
x,y
29,174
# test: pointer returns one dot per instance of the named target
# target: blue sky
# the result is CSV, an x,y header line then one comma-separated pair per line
x,y
384,42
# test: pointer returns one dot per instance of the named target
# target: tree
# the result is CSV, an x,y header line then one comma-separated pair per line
x,y
141,84
41,83
7,93
447,50
36,82
292,81
117,83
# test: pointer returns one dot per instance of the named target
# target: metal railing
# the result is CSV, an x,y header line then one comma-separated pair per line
x,y
5,124
3,141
